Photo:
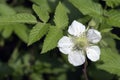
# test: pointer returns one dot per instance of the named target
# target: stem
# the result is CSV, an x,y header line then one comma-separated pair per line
x,y
87,28
85,70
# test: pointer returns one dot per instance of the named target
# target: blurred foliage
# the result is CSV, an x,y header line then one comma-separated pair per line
x,y
31,27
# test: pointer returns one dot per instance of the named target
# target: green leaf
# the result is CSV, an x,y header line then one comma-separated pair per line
x,y
51,39
85,19
38,31
113,18
98,74
18,18
43,3
2,1
1,28
22,9
88,7
111,61
6,10
35,76
107,41
114,36
48,5
41,12
14,56
61,18
21,31
7,31
104,26
113,3
106,30
2,42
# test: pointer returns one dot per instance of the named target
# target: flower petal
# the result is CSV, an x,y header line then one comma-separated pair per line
x,y
93,53
76,58
76,28
94,36
65,45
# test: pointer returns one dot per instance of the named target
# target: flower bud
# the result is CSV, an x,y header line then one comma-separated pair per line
x,y
92,23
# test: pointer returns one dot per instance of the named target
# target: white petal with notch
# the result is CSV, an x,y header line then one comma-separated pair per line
x,y
76,58
93,53
65,45
76,28
93,36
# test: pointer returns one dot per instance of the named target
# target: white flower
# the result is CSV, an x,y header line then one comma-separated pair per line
x,y
79,43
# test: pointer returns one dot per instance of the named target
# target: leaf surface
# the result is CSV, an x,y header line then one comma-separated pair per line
x,y
38,31
51,39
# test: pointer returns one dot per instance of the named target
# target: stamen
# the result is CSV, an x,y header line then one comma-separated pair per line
x,y
80,42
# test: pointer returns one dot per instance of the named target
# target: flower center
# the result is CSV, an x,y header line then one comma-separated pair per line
x,y
80,42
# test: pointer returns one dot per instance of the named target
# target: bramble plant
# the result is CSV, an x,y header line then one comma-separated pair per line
x,y
35,33
80,42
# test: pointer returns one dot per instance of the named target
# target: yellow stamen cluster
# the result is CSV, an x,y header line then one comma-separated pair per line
x,y
80,42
